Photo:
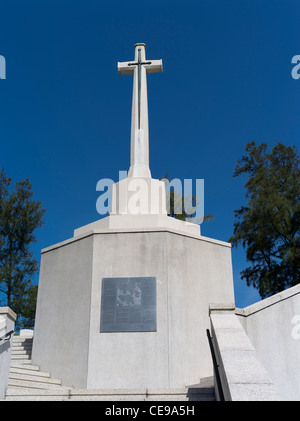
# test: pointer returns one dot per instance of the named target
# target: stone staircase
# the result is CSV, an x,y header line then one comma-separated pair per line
x,y
28,383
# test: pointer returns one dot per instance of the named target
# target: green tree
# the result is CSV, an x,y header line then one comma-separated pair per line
x,y
268,226
19,218
177,206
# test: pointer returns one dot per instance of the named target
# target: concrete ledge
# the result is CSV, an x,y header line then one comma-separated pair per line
x,y
254,392
243,376
173,394
108,392
26,333
133,230
9,312
220,307
267,302
23,392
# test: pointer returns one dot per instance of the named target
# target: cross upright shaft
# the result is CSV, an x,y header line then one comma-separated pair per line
x,y
139,150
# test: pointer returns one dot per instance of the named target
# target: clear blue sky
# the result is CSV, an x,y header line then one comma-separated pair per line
x,y
65,112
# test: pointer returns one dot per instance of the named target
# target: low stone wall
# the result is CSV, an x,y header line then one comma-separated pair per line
x,y
7,323
273,326
243,377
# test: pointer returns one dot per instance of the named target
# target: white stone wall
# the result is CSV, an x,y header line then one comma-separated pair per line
x,y
273,326
60,343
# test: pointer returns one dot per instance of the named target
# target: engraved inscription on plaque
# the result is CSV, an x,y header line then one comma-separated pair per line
x,y
128,304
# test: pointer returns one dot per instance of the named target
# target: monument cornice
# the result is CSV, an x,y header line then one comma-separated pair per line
x,y
108,231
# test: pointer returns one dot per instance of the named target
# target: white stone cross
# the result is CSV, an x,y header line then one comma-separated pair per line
x,y
139,149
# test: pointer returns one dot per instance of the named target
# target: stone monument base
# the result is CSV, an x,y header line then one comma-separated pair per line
x,y
187,272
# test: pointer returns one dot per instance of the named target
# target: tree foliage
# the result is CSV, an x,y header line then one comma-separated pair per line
x,y
177,208
19,218
268,226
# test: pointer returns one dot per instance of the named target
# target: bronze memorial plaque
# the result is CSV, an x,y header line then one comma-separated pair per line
x,y
128,304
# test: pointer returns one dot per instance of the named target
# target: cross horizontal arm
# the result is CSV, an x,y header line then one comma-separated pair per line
x,y
127,67
124,69
154,67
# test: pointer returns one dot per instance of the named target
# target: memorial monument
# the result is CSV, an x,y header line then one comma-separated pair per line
x,y
124,302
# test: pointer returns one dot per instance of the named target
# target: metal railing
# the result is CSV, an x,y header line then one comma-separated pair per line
x,y
7,336
216,367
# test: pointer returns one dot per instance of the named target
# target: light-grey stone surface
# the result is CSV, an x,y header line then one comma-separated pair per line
x,y
270,324
243,376
67,340
7,323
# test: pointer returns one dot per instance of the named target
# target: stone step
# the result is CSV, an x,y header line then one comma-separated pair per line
x,y
136,395
35,377
19,361
26,341
20,352
21,348
15,364
33,384
29,394
27,370
27,383
206,394
20,356
14,393
19,339
36,398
